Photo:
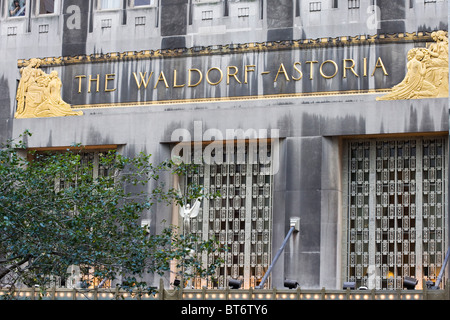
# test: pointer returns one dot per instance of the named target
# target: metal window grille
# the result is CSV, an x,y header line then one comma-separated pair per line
x,y
89,160
396,200
241,219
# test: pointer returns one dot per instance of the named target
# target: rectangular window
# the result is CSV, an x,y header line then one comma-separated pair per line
x,y
334,4
207,15
46,6
90,159
17,8
12,31
138,3
240,218
43,28
396,225
139,21
353,4
106,23
110,4
315,6
243,12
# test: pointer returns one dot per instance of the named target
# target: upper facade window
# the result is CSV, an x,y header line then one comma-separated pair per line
x,y
17,8
110,4
354,4
47,6
138,3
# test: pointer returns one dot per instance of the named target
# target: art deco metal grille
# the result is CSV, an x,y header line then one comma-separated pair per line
x,y
88,159
395,221
241,219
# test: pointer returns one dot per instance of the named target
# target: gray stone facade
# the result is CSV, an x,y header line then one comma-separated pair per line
x,y
312,128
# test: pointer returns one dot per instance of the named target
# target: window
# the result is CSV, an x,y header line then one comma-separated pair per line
x,y
46,6
43,28
240,219
396,224
12,31
142,3
243,12
334,4
353,4
207,15
110,4
90,160
17,8
139,21
106,23
315,6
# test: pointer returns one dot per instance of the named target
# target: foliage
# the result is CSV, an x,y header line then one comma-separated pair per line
x,y
47,226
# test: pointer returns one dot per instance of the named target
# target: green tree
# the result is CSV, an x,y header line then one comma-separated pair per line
x,y
91,223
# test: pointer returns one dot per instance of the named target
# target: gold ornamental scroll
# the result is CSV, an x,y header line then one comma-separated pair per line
x,y
427,72
39,94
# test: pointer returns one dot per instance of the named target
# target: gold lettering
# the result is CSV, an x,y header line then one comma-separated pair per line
x,y
143,82
161,77
351,68
175,85
232,74
335,69
380,64
311,70
189,77
248,68
298,70
217,82
109,77
97,80
365,67
79,82
282,69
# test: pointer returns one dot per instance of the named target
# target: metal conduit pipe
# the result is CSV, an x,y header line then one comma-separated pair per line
x,y
294,226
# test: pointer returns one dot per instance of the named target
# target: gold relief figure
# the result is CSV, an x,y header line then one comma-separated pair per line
x,y
427,72
39,94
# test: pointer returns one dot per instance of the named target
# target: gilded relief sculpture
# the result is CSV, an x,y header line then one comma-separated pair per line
x,y
39,94
427,72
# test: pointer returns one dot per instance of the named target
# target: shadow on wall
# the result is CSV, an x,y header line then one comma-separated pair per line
x,y
6,114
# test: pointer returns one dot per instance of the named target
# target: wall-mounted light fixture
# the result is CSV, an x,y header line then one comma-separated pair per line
x,y
234,284
290,284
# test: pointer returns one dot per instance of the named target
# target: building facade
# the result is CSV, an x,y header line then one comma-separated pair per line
x,y
333,112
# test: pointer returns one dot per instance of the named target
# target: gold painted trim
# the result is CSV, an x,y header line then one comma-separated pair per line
x,y
233,48
224,99
399,135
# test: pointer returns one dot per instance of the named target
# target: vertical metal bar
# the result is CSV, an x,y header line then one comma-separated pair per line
x,y
373,274
419,209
